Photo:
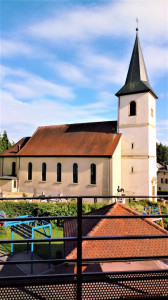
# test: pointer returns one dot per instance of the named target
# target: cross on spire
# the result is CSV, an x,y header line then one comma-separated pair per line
x,y
137,24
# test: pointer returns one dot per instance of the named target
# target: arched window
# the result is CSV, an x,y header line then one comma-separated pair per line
x,y
43,171
59,172
29,171
93,174
132,108
75,173
13,169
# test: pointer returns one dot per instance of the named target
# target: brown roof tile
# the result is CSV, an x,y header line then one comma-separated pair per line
x,y
70,227
85,139
123,248
14,150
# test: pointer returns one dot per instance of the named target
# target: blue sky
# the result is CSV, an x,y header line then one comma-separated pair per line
x,y
63,61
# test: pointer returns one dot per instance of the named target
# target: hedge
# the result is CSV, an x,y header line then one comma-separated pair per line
x,y
13,209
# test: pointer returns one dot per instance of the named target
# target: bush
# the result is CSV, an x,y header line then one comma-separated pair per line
x,y
13,209
139,206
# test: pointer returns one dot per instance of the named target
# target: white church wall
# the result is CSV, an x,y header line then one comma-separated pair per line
x,y
137,138
135,176
152,176
7,165
116,169
141,100
138,144
66,187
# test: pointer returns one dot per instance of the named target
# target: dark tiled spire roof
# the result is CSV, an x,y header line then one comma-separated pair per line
x,y
137,79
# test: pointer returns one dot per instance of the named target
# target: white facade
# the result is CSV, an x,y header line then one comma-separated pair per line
x,y
138,144
103,185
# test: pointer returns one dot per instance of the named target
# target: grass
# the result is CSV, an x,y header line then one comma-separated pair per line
x,y
139,207
39,248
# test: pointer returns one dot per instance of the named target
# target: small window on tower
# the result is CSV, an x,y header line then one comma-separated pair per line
x,y
132,169
132,146
132,108
151,112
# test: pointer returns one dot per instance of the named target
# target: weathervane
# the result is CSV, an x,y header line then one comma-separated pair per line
x,y
137,24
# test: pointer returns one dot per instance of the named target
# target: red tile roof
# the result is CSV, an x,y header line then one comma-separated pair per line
x,y
70,227
123,248
159,165
86,139
14,150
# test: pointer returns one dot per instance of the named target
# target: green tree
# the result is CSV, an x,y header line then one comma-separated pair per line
x,y
4,142
162,154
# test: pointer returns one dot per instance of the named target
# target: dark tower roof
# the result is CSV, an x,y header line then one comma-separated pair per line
x,y
137,79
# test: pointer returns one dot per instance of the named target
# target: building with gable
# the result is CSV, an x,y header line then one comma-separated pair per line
x,y
100,158
118,249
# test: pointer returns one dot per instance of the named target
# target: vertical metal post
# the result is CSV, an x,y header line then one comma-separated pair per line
x,y
11,243
49,254
79,248
32,249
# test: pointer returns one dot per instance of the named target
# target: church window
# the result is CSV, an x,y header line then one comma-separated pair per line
x,y
75,173
132,146
43,171
132,169
162,181
93,174
59,172
151,112
13,169
29,171
132,108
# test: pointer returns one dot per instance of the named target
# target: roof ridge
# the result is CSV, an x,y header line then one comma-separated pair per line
x,y
102,220
84,123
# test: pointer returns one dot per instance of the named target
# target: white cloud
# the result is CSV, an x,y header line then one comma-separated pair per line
x,y
163,123
84,23
156,60
25,85
106,69
10,48
70,72
17,115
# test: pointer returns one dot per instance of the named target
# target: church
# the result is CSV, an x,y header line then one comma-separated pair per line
x,y
92,159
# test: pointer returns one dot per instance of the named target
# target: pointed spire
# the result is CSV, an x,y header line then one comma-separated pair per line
x,y
137,79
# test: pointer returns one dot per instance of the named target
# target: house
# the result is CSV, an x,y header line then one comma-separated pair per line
x,y
96,159
162,177
123,248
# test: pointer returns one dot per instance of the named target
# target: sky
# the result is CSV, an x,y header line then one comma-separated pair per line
x,y
62,61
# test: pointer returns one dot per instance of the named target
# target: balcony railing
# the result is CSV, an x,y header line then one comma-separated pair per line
x,y
140,284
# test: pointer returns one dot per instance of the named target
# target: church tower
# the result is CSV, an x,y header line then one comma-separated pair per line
x,y
137,123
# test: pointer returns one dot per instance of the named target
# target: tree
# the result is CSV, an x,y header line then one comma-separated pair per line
x,y
5,144
162,154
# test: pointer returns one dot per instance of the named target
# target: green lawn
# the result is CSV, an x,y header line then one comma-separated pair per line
x,y
40,248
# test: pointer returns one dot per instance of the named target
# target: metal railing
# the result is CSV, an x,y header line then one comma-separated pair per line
x,y
81,278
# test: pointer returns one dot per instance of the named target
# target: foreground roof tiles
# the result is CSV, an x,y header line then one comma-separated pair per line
x,y
85,139
123,227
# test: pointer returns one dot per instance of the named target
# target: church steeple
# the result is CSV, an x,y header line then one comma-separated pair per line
x,y
137,79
